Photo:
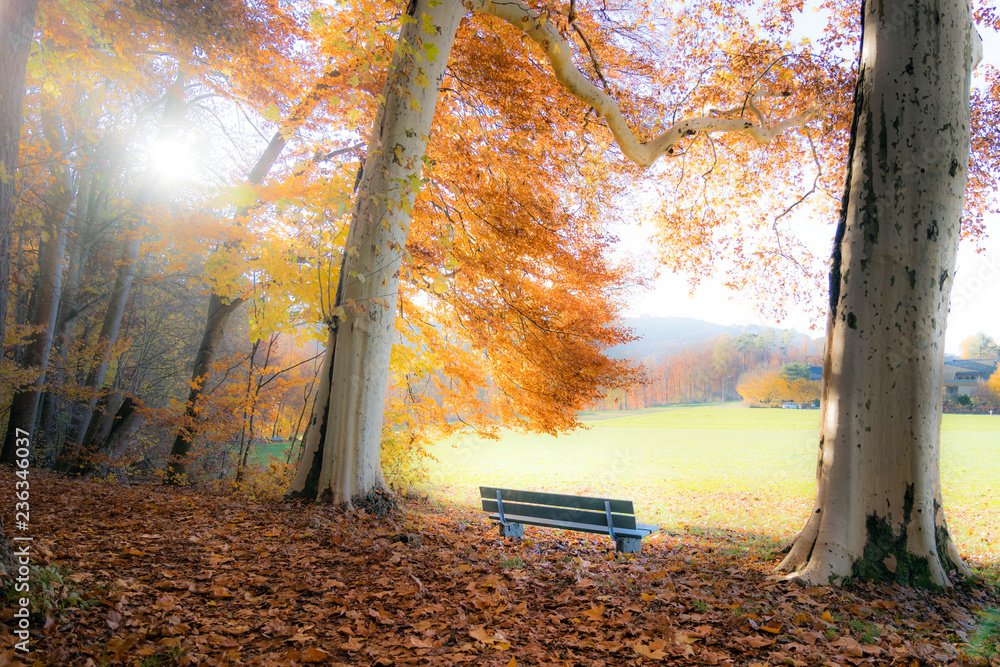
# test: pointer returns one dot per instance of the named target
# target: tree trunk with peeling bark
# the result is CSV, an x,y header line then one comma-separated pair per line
x,y
341,457
878,513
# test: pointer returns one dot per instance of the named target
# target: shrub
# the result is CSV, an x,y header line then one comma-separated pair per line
x,y
403,458
770,387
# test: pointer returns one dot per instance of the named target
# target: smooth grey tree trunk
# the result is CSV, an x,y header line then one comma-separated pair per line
x,y
124,420
878,512
53,427
48,286
17,27
341,457
219,311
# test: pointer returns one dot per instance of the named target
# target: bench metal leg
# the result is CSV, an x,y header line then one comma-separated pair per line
x,y
629,545
512,530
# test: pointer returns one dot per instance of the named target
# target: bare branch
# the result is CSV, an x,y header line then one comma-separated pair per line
x,y
593,56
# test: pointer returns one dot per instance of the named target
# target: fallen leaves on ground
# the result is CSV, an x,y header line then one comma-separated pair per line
x,y
187,577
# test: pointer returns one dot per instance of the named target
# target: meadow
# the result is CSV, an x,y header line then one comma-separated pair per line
x,y
696,469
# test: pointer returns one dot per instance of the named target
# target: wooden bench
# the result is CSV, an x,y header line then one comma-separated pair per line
x,y
512,509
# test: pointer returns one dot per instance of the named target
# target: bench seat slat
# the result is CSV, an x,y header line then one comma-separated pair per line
x,y
556,500
568,515
567,525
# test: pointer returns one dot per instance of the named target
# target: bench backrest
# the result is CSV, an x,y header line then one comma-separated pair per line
x,y
578,509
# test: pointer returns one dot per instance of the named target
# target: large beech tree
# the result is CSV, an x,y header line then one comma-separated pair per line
x,y
341,455
878,512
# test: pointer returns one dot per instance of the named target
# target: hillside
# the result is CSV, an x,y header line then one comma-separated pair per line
x,y
658,335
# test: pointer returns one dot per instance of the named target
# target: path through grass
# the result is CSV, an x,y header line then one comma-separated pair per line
x,y
696,468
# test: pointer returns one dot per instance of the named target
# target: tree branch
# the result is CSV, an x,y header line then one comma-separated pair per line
x,y
559,53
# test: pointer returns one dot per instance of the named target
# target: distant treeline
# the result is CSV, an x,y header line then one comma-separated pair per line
x,y
709,371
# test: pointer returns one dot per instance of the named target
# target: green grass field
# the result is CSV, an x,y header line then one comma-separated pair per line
x,y
278,450
695,468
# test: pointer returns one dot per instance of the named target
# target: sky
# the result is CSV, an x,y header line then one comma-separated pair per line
x,y
975,304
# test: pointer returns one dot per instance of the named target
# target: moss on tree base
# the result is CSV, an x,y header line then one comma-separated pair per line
x,y
887,559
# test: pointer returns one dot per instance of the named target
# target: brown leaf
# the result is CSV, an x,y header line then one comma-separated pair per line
x,y
755,641
313,656
849,646
166,603
221,641
420,643
121,646
480,634
352,645
220,592
646,652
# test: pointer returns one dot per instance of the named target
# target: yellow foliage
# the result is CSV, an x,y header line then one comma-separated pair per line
x,y
767,387
993,385
260,481
404,453
804,391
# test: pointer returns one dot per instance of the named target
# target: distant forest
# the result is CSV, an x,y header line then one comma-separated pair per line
x,y
688,361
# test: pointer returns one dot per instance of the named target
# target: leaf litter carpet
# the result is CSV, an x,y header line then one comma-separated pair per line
x,y
151,576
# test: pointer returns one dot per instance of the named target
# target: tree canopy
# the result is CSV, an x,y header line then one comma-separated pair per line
x,y
979,346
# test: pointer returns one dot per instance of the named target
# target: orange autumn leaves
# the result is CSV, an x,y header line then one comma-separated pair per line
x,y
219,580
